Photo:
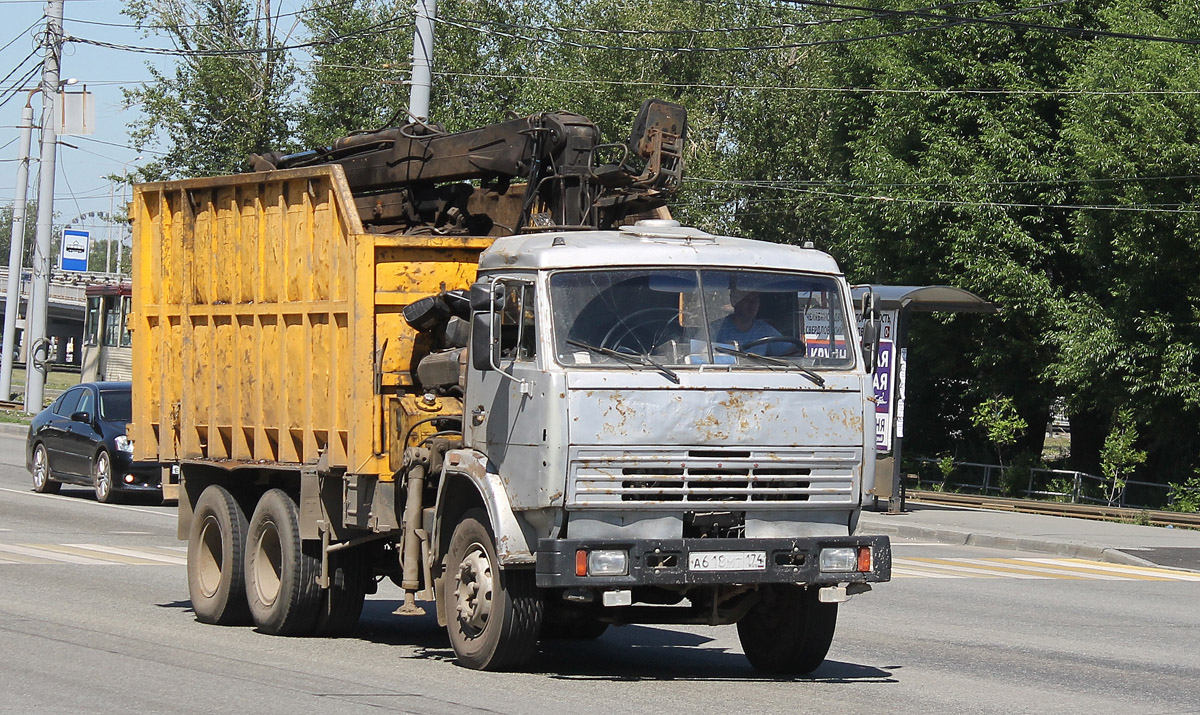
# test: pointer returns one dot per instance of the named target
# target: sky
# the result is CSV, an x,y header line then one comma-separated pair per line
x,y
80,186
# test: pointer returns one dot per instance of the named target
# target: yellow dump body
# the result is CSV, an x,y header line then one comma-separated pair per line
x,y
267,325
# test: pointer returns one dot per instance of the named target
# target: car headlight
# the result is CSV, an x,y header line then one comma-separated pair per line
x,y
124,444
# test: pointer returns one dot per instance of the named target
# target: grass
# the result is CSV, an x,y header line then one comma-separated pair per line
x,y
56,382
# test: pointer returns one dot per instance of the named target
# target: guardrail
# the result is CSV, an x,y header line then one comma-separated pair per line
x,y
1048,484
1151,517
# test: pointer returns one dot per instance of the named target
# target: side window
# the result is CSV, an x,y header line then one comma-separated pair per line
x,y
66,404
518,332
86,404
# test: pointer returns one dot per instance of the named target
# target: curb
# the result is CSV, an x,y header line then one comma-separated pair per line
x,y
14,428
955,537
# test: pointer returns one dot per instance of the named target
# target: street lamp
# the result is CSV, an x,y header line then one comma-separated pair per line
x,y
124,185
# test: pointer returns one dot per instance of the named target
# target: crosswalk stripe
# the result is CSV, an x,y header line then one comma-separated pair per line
x,y
142,554
1123,569
961,566
1034,569
47,553
86,555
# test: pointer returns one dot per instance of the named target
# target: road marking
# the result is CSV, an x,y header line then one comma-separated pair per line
x,y
76,500
89,555
1033,569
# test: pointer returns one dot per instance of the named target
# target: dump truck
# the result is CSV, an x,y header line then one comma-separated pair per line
x,y
488,366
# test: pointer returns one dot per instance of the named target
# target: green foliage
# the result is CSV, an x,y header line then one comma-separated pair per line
x,y
959,155
1119,456
355,81
1185,496
999,420
227,96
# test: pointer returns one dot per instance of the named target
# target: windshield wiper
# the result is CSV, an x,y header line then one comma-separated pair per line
x,y
642,359
772,360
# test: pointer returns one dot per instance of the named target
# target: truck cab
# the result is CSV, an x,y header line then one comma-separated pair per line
x,y
657,416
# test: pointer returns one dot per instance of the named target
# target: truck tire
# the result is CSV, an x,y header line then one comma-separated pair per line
x,y
493,616
281,573
788,631
216,549
342,602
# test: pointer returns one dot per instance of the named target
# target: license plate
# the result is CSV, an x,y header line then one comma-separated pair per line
x,y
727,561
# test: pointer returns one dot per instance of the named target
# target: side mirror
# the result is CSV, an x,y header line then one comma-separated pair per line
x,y
485,347
870,342
487,296
84,417
870,331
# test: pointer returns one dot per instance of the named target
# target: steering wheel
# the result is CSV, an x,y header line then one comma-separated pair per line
x,y
796,343
657,319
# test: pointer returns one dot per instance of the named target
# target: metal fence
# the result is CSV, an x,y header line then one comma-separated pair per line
x,y
1046,484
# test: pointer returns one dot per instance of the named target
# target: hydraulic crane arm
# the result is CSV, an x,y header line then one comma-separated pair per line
x,y
412,178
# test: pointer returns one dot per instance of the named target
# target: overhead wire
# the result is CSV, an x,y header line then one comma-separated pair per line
x,y
951,21
991,20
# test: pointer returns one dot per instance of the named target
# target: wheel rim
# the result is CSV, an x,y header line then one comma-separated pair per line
x,y
103,477
40,469
268,565
473,592
210,561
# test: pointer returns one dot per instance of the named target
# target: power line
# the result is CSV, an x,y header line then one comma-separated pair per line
x,y
934,91
1144,208
991,20
952,21
20,35
379,28
200,25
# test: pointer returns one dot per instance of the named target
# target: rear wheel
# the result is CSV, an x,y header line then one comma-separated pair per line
x,y
788,631
216,548
342,603
102,478
42,483
281,573
493,616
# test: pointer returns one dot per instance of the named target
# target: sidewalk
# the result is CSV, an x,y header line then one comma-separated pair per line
x,y
1061,536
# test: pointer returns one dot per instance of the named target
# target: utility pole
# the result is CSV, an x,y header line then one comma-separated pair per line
x,y
422,68
16,244
39,297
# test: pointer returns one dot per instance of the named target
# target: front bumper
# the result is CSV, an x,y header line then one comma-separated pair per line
x,y
147,476
664,562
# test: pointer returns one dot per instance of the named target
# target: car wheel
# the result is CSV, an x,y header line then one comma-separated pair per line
x,y
42,483
102,478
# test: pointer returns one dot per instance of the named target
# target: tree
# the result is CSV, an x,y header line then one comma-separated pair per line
x,y
355,81
227,97
1119,456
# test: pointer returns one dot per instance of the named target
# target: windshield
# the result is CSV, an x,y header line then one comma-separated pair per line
x,y
678,318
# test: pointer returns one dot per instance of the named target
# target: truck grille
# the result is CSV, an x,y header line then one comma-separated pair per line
x,y
751,479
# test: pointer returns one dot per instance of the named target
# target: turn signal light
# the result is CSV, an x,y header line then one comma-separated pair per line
x,y
581,562
864,559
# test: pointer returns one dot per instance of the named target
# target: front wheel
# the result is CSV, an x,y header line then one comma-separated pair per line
x,y
102,478
493,616
788,631
42,483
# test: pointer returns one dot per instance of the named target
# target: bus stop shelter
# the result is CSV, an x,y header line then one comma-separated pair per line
x,y
893,304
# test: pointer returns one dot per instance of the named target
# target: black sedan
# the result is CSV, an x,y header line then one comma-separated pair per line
x,y
80,439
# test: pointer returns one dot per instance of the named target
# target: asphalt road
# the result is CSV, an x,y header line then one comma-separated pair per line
x,y
94,617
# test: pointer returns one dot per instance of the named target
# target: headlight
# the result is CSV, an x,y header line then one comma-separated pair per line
x,y
124,444
602,562
846,559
